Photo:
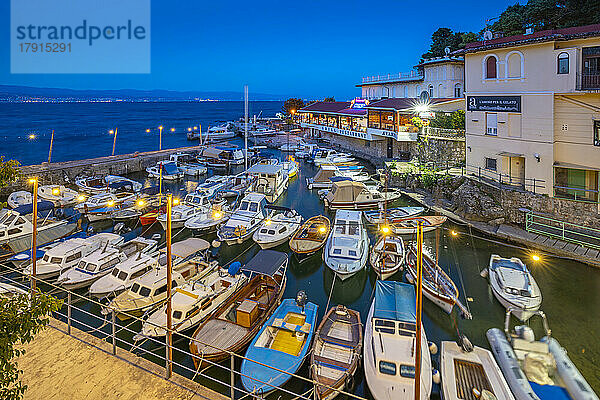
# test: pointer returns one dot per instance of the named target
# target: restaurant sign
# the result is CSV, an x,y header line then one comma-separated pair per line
x,y
359,103
494,103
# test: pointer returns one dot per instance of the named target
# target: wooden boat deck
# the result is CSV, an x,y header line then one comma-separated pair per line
x,y
469,375
219,333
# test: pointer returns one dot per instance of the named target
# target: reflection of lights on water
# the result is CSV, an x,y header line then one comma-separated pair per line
x,y
32,136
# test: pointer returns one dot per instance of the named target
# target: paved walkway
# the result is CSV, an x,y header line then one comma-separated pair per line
x,y
57,366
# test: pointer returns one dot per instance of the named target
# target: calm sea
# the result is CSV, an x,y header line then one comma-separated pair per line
x,y
81,130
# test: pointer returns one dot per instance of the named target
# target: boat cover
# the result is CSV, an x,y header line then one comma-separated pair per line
x,y
324,175
268,169
344,191
266,262
188,247
122,185
170,169
340,178
28,208
395,301
550,392
150,190
211,152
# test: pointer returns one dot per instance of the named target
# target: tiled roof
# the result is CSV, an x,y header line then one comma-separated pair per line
x,y
326,106
402,103
541,36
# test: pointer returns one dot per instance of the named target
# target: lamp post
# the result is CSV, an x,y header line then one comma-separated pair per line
x,y
51,143
246,127
34,181
114,139
160,128
292,112
169,335
419,309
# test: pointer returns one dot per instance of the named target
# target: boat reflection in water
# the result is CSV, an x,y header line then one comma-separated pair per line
x,y
345,291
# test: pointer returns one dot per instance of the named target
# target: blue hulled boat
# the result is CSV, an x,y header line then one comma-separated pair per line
x,y
282,343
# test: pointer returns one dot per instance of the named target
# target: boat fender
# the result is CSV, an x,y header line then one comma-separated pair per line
x,y
409,278
118,227
216,244
436,376
484,273
349,382
465,343
433,349
156,237
525,332
90,230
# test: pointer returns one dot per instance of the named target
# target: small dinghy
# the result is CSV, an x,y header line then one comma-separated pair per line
x,y
471,373
59,195
166,170
514,286
408,226
437,285
276,230
311,236
347,248
387,256
392,214
282,343
537,369
19,198
336,352
210,219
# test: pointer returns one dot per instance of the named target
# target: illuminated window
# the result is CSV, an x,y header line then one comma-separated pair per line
x,y
563,63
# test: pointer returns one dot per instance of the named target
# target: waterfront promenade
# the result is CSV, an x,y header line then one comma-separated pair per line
x,y
58,366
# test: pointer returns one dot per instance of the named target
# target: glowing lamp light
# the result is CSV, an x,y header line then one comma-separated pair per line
x,y
217,215
81,197
454,233
267,222
111,132
56,191
32,180
421,108
535,257
141,203
172,129
160,127
195,127
175,201
147,130
322,229
110,203
32,136
189,129
385,229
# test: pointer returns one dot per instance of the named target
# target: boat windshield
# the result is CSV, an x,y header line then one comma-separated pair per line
x,y
90,267
144,291
244,206
253,207
340,227
56,260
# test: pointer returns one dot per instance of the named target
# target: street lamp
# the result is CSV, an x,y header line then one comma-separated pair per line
x,y
34,182
160,128
114,139
169,354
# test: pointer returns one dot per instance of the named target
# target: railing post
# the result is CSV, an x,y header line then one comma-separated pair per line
x,y
167,358
69,313
479,173
232,378
533,185
563,230
114,332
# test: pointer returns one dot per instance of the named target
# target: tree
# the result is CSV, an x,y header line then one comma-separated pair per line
x,y
292,104
21,318
512,21
9,171
445,37
458,119
329,99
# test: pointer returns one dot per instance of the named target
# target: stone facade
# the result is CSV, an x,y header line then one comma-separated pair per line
x,y
440,151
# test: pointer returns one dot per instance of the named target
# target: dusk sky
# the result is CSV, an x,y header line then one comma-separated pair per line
x,y
307,49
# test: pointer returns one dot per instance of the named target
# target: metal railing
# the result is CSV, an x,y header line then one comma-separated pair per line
x,y
588,81
454,134
393,77
577,194
108,328
504,181
565,231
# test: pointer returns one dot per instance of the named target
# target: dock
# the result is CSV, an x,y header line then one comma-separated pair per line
x,y
81,366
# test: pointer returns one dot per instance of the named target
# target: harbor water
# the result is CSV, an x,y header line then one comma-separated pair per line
x,y
571,290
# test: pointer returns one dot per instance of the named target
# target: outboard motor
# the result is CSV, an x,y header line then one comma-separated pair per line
x,y
465,343
525,333
156,237
119,227
301,299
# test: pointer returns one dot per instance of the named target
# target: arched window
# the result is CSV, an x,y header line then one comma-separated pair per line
x,y
405,92
440,91
457,90
430,90
563,63
417,91
514,65
491,68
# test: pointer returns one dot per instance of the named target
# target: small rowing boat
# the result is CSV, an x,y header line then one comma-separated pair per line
x,y
387,256
392,214
408,226
311,236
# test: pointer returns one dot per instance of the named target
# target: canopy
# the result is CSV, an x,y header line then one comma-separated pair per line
x,y
188,247
324,175
28,208
269,169
150,190
170,168
211,152
395,301
266,262
344,191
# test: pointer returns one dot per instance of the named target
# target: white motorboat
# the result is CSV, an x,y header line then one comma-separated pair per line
x,y
277,229
392,214
193,205
101,262
209,219
187,164
514,286
537,369
101,206
59,195
67,254
271,180
327,156
193,302
168,170
244,220
108,183
7,290
306,150
347,247
123,275
210,187
387,256
389,344
471,373
356,196
15,226
219,133
291,167
19,198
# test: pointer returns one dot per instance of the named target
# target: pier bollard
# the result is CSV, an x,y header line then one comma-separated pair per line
x,y
69,313
232,381
114,333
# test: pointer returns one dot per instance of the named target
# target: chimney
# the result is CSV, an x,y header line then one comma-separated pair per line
x,y
529,31
498,34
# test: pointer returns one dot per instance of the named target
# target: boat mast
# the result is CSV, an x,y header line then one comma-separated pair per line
x,y
246,126
169,354
419,309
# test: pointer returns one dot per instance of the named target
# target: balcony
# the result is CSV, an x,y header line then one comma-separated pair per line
x,y
398,77
588,81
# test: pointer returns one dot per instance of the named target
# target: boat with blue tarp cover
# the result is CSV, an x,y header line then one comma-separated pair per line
x,y
281,345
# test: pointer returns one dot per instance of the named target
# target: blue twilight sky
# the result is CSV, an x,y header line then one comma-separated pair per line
x,y
308,49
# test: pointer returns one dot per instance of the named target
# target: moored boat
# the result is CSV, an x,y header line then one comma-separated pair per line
x,y
19,198
408,226
277,229
59,195
347,248
392,214
311,236
356,196
387,256
166,170
244,220
336,351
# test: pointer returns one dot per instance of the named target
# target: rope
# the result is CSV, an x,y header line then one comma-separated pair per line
x,y
460,276
330,292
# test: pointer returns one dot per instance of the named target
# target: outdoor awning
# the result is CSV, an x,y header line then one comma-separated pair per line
x,y
395,301
509,154
266,262
268,169
188,247
558,164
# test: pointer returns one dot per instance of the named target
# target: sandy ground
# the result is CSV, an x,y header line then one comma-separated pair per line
x,y
58,366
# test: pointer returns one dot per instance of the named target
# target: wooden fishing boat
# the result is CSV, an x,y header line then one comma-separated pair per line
x,y
387,256
235,323
311,236
408,226
392,214
336,352
437,285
